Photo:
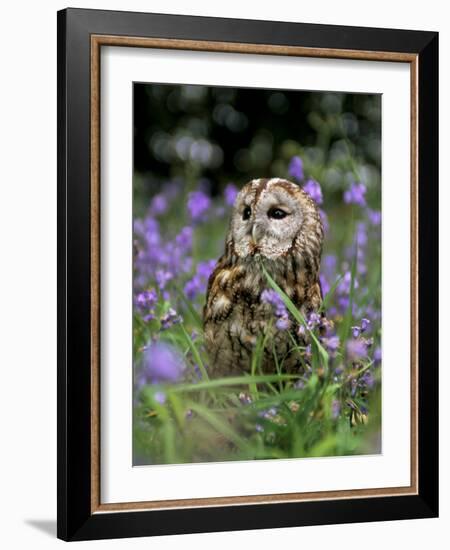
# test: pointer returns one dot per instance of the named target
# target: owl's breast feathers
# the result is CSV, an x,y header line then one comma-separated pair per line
x,y
234,315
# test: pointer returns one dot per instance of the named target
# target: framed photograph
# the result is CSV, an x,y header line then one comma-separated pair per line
x,y
247,254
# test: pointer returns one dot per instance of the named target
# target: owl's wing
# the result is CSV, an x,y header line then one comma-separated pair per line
x,y
213,288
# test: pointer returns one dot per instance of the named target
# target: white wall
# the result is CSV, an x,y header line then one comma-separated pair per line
x,y
28,270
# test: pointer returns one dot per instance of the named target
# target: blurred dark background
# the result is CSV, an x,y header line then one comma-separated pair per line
x,y
234,134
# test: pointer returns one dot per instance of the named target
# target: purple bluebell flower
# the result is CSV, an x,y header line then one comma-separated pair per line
x,y
361,235
194,287
158,205
356,331
198,204
244,398
282,323
367,379
169,319
355,194
374,216
146,299
295,168
356,350
331,343
271,297
377,355
313,320
197,285
184,237
160,397
345,283
230,193
204,269
314,190
163,277
364,324
324,219
162,363
329,263
325,285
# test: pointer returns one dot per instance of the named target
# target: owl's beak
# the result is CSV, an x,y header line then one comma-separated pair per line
x,y
254,234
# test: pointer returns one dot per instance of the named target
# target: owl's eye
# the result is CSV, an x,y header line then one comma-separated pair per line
x,y
246,213
277,213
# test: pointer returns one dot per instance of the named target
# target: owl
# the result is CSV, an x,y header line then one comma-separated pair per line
x,y
277,225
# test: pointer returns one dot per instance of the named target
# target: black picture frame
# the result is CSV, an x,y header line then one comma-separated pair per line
x,y
76,521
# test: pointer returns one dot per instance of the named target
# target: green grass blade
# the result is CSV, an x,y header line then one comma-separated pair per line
x,y
327,299
195,353
296,314
192,311
219,425
232,381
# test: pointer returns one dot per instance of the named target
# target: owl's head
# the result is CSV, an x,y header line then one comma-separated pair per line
x,y
271,217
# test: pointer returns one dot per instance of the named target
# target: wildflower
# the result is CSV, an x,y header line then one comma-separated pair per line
x,y
325,285
355,194
198,204
197,285
361,236
162,363
147,299
314,190
244,398
374,216
356,350
324,220
367,380
356,331
194,287
163,277
313,320
259,428
345,284
170,318
331,343
377,355
268,414
184,237
204,269
272,298
295,168
364,324
160,397
282,323
158,205
230,193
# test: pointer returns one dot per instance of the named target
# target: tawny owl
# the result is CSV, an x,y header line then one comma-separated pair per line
x,y
274,223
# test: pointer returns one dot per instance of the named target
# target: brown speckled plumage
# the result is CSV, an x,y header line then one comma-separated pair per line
x,y
290,249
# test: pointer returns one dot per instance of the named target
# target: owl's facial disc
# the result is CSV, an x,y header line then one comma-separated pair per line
x,y
265,222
